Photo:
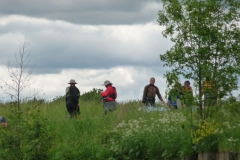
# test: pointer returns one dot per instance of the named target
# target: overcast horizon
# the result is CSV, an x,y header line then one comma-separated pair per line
x,y
88,41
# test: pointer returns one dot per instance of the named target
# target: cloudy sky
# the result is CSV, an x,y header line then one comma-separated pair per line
x,y
89,41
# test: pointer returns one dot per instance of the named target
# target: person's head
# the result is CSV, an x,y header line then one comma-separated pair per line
x,y
187,83
107,83
152,80
2,119
72,82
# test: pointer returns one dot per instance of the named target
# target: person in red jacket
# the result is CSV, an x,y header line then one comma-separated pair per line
x,y
187,94
109,97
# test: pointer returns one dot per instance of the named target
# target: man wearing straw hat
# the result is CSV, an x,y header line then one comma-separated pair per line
x,y
109,100
72,96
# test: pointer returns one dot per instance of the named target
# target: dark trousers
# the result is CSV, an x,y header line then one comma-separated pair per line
x,y
73,109
150,101
109,106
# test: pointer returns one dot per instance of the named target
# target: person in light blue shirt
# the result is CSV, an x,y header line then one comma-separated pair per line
x,y
174,95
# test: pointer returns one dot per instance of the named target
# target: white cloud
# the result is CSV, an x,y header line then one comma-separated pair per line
x,y
127,55
54,43
129,82
89,41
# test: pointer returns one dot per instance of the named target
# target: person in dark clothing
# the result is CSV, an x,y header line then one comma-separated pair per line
x,y
72,96
3,121
149,93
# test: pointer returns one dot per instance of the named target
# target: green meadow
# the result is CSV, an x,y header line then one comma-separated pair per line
x,y
43,130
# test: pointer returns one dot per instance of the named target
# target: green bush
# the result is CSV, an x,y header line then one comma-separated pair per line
x,y
93,95
127,133
26,137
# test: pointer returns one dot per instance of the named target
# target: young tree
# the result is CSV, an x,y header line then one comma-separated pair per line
x,y
28,136
206,42
20,75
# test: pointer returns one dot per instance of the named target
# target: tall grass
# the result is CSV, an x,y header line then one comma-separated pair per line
x,y
126,133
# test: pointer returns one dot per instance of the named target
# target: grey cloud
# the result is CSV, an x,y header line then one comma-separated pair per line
x,y
85,11
89,53
58,45
87,61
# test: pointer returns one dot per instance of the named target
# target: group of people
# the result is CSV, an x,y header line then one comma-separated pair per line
x,y
110,94
73,95
179,96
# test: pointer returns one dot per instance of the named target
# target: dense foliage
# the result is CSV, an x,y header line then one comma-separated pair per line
x,y
205,34
47,132
93,95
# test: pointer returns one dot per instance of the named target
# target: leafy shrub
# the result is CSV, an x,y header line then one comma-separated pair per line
x,y
205,136
93,95
153,138
26,137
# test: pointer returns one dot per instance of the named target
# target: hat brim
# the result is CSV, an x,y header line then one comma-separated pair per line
x,y
106,84
72,83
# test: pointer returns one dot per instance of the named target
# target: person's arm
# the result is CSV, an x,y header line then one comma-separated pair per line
x,y
66,96
144,94
106,92
159,95
76,94
169,98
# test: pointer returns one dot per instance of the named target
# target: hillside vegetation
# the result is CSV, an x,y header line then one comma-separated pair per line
x,y
43,130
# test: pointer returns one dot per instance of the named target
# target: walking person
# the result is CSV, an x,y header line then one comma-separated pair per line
x,y
149,93
187,94
109,96
175,96
209,92
72,99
